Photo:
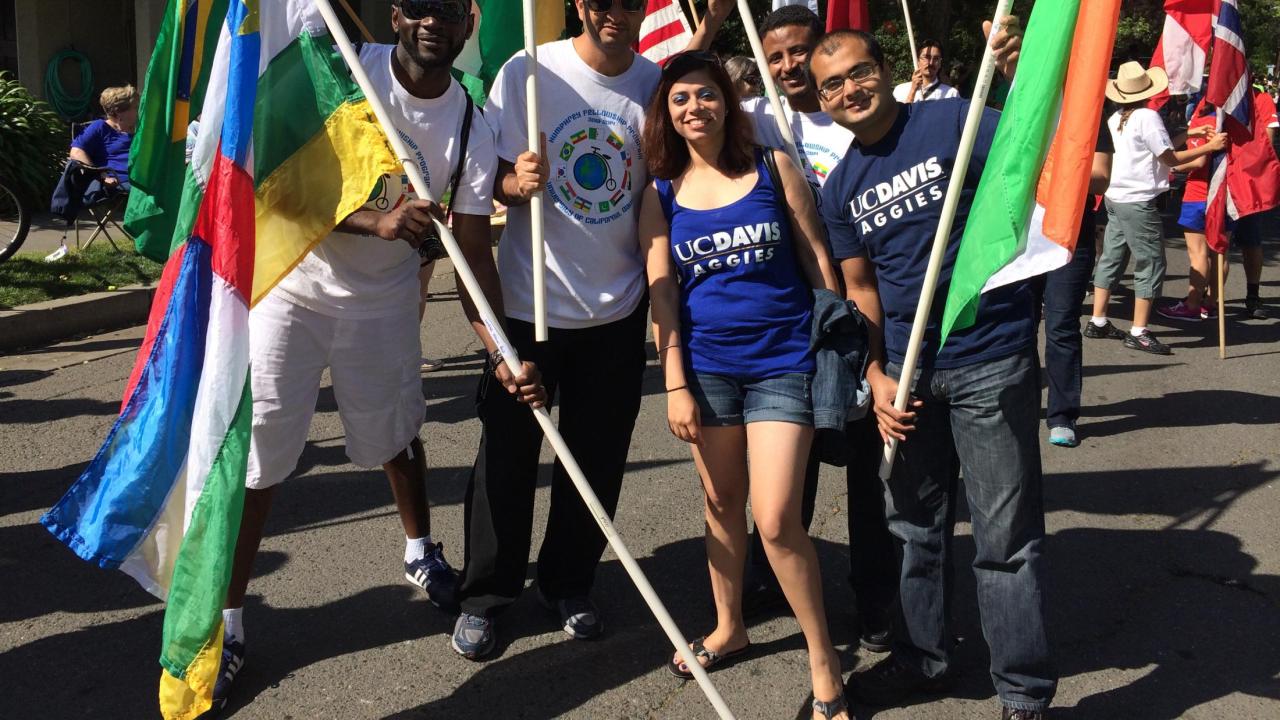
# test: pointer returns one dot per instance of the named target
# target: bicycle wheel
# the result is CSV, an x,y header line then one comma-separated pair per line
x,y
15,221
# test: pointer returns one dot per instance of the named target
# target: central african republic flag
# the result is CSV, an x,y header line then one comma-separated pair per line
x,y
288,148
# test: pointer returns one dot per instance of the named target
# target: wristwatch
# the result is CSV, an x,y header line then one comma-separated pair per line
x,y
496,359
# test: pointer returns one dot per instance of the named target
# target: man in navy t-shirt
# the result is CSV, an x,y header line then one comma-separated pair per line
x,y
976,400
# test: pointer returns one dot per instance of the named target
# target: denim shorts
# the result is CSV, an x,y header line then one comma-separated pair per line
x,y
724,401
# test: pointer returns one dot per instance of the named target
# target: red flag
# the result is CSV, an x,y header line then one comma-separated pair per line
x,y
664,31
1181,50
848,14
1247,180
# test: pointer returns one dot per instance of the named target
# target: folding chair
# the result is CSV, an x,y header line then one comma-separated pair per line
x,y
80,189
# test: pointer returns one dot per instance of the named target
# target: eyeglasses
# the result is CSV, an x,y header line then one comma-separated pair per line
x,y
447,11
833,87
601,6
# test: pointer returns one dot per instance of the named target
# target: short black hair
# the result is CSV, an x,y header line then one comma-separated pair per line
x,y
789,15
832,41
930,43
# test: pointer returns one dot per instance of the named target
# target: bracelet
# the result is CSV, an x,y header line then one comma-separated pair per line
x,y
496,358
668,347
682,387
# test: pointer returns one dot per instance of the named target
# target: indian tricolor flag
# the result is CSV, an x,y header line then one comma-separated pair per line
x,y
288,148
1026,212
499,33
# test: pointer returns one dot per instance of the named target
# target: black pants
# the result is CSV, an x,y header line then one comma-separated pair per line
x,y
595,373
873,562
1061,292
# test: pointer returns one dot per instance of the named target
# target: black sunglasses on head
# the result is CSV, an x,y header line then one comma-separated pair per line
x,y
607,5
448,11
688,61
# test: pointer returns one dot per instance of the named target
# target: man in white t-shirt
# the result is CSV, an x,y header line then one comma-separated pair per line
x,y
592,92
926,82
788,36
351,306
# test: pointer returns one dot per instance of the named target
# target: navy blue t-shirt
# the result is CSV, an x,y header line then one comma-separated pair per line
x,y
105,146
884,202
746,308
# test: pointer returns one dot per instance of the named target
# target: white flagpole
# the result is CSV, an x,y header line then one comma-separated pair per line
x,y
753,35
911,37
513,363
943,235
535,202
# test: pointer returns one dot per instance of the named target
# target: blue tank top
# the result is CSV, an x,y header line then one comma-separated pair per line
x,y
746,308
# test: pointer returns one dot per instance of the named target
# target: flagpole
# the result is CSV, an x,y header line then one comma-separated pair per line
x,y
693,10
911,37
1222,267
539,256
364,31
943,235
784,128
513,364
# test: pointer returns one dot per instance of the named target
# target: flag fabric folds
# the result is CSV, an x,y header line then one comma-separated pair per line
x,y
1027,208
175,83
1183,46
288,148
848,14
499,34
1229,75
664,31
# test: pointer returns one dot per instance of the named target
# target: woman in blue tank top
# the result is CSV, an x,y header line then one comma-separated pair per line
x,y
730,279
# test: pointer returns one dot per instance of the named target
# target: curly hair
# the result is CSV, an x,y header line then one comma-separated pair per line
x,y
115,100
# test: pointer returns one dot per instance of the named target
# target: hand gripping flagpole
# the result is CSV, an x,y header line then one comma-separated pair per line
x,y
943,235
539,256
757,49
513,363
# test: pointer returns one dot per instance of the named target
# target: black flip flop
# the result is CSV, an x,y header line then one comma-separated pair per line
x,y
702,651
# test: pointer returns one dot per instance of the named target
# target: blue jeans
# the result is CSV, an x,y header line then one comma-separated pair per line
x,y
1062,291
986,415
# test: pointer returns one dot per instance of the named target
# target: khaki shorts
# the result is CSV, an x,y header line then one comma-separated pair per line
x,y
373,362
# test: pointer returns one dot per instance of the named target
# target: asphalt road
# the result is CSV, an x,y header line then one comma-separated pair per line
x,y
1164,559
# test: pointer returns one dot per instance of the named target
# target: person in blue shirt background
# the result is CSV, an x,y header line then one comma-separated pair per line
x,y
977,400
105,142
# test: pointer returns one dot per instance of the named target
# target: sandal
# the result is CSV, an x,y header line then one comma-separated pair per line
x,y
831,707
702,651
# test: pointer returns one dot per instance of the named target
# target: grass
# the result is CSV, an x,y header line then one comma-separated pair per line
x,y
27,278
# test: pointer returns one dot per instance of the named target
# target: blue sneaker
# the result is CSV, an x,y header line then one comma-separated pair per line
x,y
579,617
1063,436
473,636
232,661
433,574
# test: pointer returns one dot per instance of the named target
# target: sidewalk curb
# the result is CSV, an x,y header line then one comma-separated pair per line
x,y
47,322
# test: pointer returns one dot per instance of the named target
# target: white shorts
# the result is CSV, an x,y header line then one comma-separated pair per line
x,y
374,364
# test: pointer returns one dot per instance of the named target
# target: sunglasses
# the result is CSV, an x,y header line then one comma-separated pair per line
x,y
447,11
688,61
601,6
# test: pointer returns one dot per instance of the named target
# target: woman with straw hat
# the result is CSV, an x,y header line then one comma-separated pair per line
x,y
1139,175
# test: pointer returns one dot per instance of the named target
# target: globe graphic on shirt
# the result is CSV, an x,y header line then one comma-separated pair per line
x,y
591,170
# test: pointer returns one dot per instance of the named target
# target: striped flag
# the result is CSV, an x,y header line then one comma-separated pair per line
x,y
275,171
1229,91
175,82
1026,212
499,34
664,31
1183,46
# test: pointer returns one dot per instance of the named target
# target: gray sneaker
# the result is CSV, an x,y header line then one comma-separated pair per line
x,y
1063,436
473,636
578,616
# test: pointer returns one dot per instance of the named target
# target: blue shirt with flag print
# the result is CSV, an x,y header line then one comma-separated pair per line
x,y
884,202
745,307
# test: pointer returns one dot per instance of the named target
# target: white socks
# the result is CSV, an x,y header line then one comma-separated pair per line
x,y
1137,331
232,619
1099,321
416,548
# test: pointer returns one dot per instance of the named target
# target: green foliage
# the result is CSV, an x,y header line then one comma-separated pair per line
x,y
33,143
26,278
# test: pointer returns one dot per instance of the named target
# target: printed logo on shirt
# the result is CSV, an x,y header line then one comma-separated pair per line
x,y
392,191
905,193
820,161
591,165
743,245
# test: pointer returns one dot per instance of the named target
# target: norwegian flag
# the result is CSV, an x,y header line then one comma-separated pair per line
x,y
1183,46
1228,91
664,32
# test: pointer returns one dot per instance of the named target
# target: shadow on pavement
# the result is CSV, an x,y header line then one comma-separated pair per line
x,y
1189,408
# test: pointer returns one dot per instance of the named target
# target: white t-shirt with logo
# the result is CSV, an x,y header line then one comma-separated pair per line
x,y
595,274
358,276
1137,175
937,91
822,143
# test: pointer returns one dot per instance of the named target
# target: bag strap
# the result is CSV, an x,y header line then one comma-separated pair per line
x,y
780,195
468,110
